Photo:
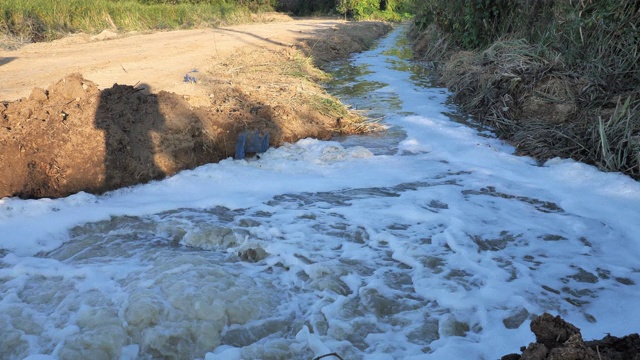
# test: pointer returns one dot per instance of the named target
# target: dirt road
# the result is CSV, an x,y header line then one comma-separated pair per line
x,y
160,60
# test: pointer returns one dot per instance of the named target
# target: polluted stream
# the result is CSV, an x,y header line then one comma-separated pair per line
x,y
430,240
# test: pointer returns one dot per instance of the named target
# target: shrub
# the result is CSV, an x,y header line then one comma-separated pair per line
x,y
471,23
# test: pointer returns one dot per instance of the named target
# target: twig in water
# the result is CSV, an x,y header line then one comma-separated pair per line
x,y
326,355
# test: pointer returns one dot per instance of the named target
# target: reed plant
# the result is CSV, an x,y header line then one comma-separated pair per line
x,y
619,139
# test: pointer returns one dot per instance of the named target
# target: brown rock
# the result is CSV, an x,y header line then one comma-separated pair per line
x,y
552,331
560,340
535,351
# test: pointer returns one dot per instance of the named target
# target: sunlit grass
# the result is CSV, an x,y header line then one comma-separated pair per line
x,y
37,20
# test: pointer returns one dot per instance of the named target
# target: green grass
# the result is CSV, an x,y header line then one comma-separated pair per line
x,y
43,20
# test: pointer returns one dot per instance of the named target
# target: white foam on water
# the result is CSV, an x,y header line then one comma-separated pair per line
x,y
445,246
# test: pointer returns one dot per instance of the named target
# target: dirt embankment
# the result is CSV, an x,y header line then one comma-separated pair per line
x,y
77,135
557,339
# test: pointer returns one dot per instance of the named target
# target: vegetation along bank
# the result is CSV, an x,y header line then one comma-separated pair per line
x,y
44,20
556,78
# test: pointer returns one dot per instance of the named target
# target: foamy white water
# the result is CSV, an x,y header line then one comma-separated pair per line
x,y
430,242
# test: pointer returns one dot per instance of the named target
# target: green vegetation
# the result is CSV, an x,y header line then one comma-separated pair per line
x,y
557,77
42,20
390,10
394,10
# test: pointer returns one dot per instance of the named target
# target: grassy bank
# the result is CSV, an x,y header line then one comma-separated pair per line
x,y
43,20
556,78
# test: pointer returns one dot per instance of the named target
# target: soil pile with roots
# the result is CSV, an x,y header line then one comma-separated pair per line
x,y
74,137
557,339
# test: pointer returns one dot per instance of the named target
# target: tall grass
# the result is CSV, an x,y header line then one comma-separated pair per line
x,y
599,38
619,148
574,92
41,20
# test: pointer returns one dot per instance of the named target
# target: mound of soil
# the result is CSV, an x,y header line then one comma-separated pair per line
x,y
557,339
74,136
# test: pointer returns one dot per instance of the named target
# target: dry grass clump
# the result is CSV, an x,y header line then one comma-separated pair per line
x,y
610,140
12,42
286,81
619,138
496,83
532,99
431,44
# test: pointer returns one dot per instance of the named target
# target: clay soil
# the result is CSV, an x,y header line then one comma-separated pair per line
x,y
99,113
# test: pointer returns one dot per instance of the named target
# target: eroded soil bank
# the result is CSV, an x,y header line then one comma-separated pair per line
x,y
557,339
76,136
